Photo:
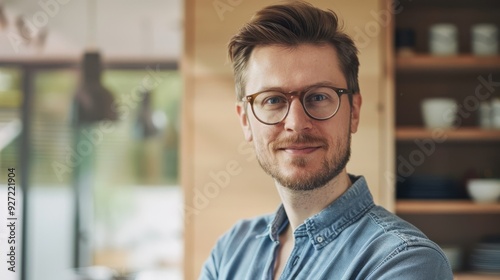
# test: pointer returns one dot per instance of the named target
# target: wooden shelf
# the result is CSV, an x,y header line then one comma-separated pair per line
x,y
445,207
459,62
48,61
475,276
459,134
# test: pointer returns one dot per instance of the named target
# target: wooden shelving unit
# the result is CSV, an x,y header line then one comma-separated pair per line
x,y
476,276
445,207
463,62
459,134
467,150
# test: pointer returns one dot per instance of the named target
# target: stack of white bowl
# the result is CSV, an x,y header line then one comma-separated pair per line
x,y
486,256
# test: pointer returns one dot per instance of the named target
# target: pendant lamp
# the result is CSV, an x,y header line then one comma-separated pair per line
x,y
93,102
144,125
3,18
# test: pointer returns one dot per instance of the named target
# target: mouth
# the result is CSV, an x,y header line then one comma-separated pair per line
x,y
300,150
300,145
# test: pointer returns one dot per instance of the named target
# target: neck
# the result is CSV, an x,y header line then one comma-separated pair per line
x,y
300,205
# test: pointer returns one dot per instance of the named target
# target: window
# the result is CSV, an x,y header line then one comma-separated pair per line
x,y
132,174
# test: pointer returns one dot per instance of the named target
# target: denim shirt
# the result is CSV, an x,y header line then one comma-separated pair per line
x,y
349,239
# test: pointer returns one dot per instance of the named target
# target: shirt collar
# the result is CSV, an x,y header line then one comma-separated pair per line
x,y
276,224
325,226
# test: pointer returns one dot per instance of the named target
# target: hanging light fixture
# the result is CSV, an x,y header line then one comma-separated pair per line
x,y
145,125
23,29
93,102
3,18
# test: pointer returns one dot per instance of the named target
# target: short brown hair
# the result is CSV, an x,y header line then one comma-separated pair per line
x,y
292,24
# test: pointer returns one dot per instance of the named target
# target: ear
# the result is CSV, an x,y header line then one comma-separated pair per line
x,y
244,122
355,111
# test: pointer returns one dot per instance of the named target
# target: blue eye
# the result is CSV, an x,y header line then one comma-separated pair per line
x,y
317,97
273,100
320,98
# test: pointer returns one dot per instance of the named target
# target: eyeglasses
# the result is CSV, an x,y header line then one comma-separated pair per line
x,y
319,102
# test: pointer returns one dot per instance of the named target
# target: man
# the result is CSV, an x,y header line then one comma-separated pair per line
x,y
296,79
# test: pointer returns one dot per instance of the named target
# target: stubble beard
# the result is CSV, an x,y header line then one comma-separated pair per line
x,y
330,168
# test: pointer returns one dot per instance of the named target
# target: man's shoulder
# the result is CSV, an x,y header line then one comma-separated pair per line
x,y
392,224
392,242
401,233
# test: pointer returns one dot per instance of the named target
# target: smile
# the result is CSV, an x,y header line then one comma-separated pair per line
x,y
300,150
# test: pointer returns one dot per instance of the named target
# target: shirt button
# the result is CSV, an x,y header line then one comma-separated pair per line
x,y
320,239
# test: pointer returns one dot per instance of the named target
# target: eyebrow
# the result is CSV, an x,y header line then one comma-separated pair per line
x,y
319,84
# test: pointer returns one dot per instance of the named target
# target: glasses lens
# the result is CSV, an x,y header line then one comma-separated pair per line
x,y
270,107
321,102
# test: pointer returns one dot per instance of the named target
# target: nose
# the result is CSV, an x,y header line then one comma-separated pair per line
x,y
297,119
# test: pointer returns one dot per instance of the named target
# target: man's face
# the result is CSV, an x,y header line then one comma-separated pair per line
x,y
300,153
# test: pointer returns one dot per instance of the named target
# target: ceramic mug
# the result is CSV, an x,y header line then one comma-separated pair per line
x,y
439,112
443,39
484,39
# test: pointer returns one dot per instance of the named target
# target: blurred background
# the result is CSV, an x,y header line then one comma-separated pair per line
x,y
118,117
101,198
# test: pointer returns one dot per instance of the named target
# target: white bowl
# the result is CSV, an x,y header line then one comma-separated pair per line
x,y
484,190
439,112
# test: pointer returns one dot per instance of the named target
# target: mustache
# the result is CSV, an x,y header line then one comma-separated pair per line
x,y
299,139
